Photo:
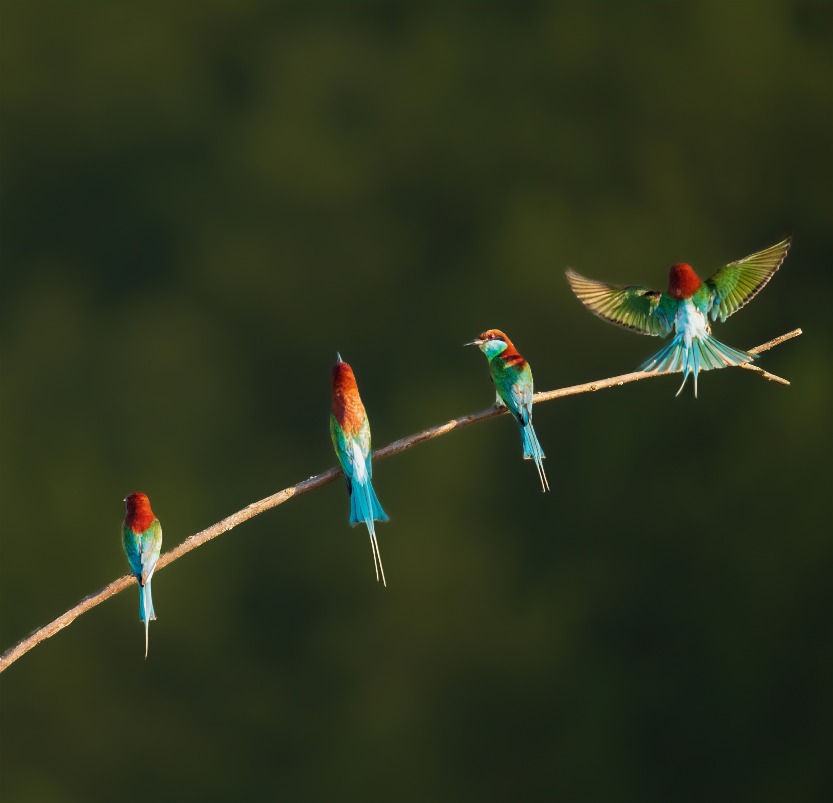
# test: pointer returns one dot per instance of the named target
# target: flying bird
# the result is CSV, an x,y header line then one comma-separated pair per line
x,y
512,377
684,308
350,431
142,538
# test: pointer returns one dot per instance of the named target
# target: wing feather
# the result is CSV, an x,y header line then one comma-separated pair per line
x,y
736,284
521,396
648,312
150,545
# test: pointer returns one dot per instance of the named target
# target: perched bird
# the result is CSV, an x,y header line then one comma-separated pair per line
x,y
142,538
513,381
350,431
685,308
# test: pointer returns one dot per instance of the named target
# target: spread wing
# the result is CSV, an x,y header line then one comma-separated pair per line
x,y
648,312
737,283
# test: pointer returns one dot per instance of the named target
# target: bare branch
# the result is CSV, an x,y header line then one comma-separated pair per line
x,y
771,344
256,508
766,374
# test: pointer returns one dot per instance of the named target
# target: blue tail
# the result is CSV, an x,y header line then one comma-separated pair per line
x,y
146,602
146,612
365,508
699,354
533,451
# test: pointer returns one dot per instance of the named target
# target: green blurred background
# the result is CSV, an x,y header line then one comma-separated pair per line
x,y
202,202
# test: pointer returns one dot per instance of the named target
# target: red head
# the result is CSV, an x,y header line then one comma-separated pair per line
x,y
138,515
683,282
347,404
495,334
493,342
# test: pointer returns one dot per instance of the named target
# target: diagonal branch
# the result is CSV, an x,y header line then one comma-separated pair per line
x,y
254,509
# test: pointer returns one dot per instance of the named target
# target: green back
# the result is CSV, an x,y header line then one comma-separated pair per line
x,y
142,549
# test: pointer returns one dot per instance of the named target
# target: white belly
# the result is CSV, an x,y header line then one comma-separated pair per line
x,y
691,323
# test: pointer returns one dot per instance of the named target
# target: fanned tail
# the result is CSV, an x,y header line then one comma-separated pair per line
x,y
698,354
533,451
365,508
146,607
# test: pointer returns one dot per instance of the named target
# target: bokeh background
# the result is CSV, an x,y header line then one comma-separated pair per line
x,y
202,202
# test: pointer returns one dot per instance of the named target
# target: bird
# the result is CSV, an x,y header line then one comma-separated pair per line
x,y
350,432
512,378
142,539
684,309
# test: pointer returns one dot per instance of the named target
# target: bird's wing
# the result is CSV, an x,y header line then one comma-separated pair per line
x,y
353,451
520,396
343,448
363,440
132,548
151,545
737,283
648,312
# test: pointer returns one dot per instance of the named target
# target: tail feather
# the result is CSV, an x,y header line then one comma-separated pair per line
x,y
698,354
364,505
533,451
365,509
146,612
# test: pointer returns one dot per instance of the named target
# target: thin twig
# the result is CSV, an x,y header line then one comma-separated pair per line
x,y
13,653
766,374
771,344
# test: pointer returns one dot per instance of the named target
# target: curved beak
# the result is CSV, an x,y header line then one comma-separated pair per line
x,y
475,343
338,357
